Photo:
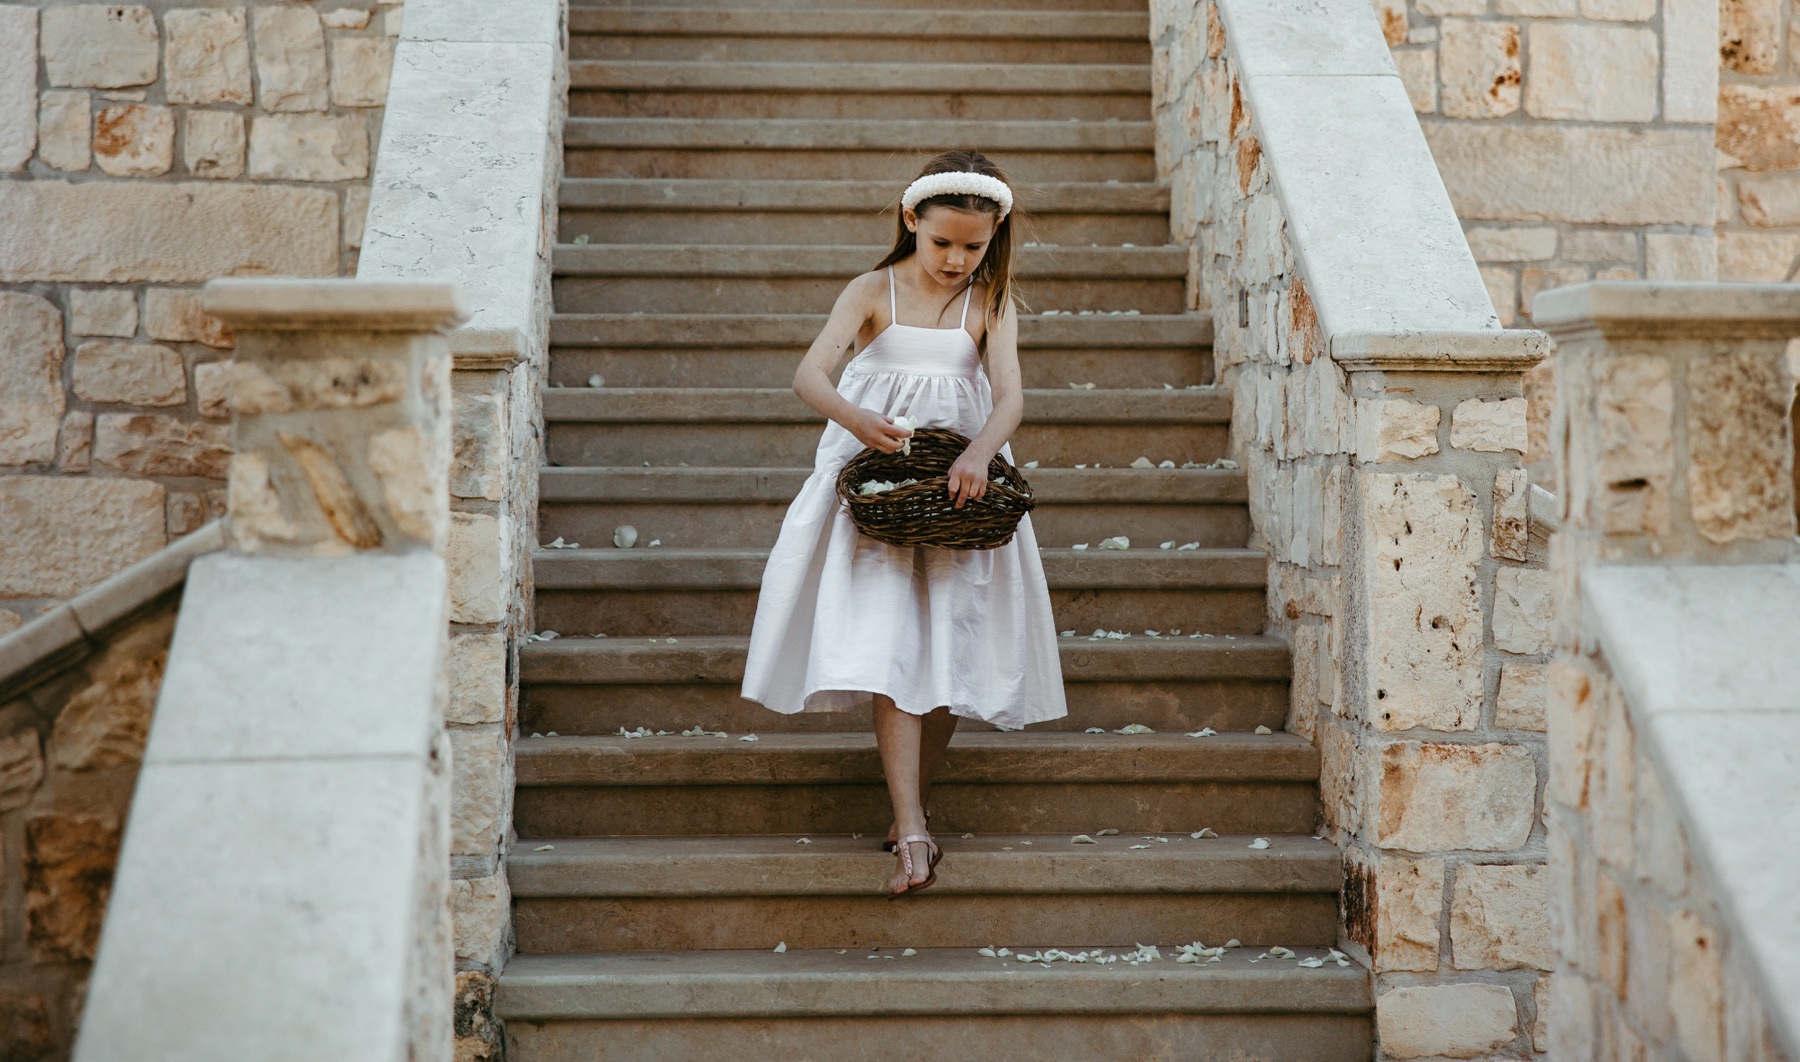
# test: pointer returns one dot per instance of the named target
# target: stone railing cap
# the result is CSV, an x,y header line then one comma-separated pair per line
x,y
287,303
1483,350
1670,308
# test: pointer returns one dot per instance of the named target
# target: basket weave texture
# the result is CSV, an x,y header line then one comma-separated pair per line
x,y
924,513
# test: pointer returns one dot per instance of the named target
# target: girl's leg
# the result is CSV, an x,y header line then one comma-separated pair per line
x,y
898,736
938,725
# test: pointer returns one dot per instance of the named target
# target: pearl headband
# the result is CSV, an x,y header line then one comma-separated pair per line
x,y
958,183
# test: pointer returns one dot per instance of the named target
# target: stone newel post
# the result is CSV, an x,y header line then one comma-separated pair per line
x,y
341,395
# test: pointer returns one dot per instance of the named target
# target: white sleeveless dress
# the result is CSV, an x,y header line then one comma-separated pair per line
x,y
842,616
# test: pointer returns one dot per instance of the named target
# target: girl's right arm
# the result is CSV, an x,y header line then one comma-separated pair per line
x,y
812,381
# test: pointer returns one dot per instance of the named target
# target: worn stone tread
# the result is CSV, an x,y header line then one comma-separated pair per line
x,y
720,659
812,197
700,21
796,330
849,134
1022,864
1062,486
936,982
779,405
1005,79
827,260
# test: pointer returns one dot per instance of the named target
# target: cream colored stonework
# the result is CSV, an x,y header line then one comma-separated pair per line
x,y
208,57
139,374
1596,73
65,121
100,46
102,312
18,86
1479,64
65,535
31,393
290,59
134,140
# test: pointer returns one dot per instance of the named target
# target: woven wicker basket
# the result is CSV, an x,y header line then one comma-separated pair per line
x,y
924,513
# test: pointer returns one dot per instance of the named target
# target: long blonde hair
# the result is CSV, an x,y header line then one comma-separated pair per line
x,y
996,269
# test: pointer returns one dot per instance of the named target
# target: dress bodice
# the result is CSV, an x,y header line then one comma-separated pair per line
x,y
918,350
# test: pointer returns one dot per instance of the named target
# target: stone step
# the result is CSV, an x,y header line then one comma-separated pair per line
x,y
753,212
800,784
738,427
1171,684
722,893
823,1006
689,508
824,149
672,592
828,7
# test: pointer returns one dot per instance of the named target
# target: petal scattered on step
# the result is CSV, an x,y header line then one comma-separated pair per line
x,y
1030,464
1108,832
1234,943
1082,545
1281,953
1187,545
1095,730
804,840
909,953
1116,542
1263,730
544,848
1082,838
989,952
1140,846
748,737
1312,964
1205,731
1259,844
1170,544
1134,728
781,947
1143,462
1202,833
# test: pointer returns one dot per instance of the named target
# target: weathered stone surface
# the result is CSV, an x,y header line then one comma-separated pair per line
x,y
10,621
1619,10
208,57
1759,126
1520,704
479,788
1499,918
151,444
134,140
1392,906
75,443
356,213
1698,1006
478,1037
140,374
69,860
478,439
1491,427
477,671
257,515
1771,200
1592,72
1522,610
1740,456
176,314
65,535
186,512
103,313
359,70
1511,539
31,393
1680,256
18,86
1445,1021
1757,257
1479,62
21,768
1437,797
475,556
214,144
478,907
212,389
99,46
1503,291
1532,243
1424,545
65,130
107,721
26,1031
1750,35
315,383
1599,245
290,59
309,147
1390,429
1418,72
345,18
1506,171
1534,279
1538,8
180,233
413,481
1633,430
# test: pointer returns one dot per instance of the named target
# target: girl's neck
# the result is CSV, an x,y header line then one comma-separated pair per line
x,y
917,276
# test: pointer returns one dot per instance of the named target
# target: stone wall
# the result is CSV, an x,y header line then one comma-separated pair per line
x,y
1575,136
1759,162
1378,414
144,149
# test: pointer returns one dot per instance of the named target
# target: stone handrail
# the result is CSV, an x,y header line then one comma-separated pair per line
x,y
1678,613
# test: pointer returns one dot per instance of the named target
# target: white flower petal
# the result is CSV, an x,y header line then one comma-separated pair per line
x,y
804,840
748,737
1202,833
1205,731
1143,462
1263,730
989,952
1082,838
781,947
1108,832
544,848
1116,542
1135,846
624,536
1259,844
908,953
1134,728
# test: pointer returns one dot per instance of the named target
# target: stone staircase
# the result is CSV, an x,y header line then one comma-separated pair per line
x,y
726,173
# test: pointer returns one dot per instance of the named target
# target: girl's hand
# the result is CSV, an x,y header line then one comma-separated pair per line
x,y
968,477
877,430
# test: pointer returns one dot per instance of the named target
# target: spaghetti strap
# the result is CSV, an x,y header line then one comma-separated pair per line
x,y
893,307
968,293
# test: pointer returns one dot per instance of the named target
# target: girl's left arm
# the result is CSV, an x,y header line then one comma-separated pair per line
x,y
968,476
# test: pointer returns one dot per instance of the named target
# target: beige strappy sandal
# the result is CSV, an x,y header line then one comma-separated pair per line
x,y
904,847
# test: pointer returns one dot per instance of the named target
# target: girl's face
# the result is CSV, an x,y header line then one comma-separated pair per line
x,y
951,242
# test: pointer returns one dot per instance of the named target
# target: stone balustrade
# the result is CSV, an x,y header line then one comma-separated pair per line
x,y
1673,715
283,888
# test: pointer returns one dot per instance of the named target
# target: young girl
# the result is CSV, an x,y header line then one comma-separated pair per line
x,y
927,634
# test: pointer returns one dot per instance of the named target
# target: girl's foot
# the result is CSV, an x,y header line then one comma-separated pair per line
x,y
918,865
894,833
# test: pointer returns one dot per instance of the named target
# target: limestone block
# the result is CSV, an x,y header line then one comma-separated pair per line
x,y
359,70
69,861
1540,1006
1395,429
31,391
1498,918
1740,451
1599,245
413,482
481,782
152,444
1511,538
476,555
1435,8
212,389
134,140
1436,797
356,213
75,443
391,21
99,46
1506,171
1392,906
1418,72
1619,10
479,908
1423,545
1491,427
1520,703
1697,1003
1681,256
1759,127
1342,774
103,312
1750,35
186,512
1771,201
139,374
1512,244
213,144
173,313
65,535
478,1037
309,147
290,59
65,130
1647,968
1503,291
1757,257
1447,1021
18,86
21,768
208,57
345,18
1659,847
107,721
1522,610
181,233
1479,64
1538,8
479,443
1633,425
477,672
